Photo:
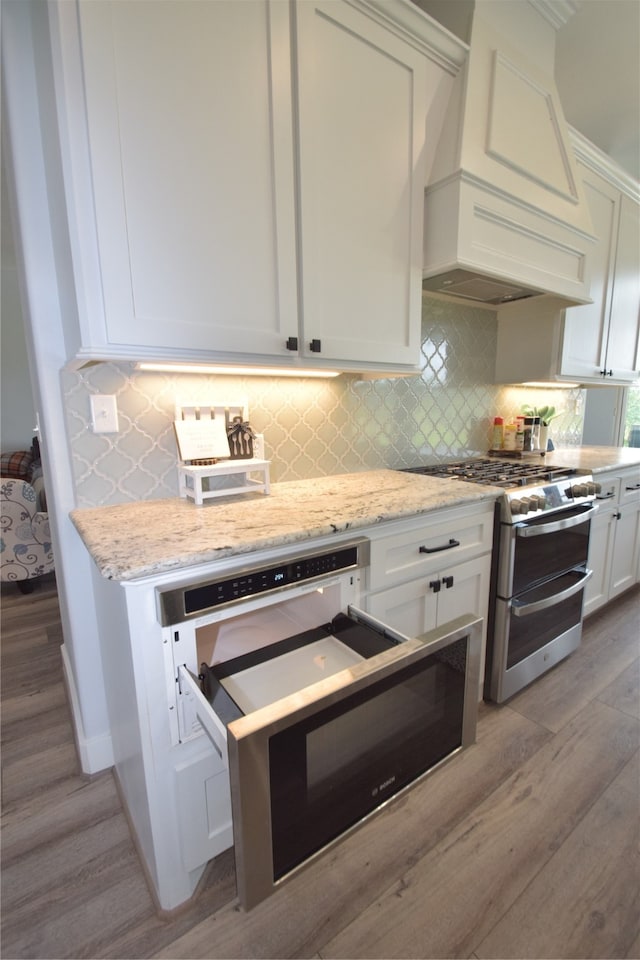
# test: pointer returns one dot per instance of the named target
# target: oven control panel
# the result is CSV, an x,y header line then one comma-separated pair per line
x,y
549,498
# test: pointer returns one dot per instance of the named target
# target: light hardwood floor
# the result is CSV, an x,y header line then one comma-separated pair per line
x,y
525,845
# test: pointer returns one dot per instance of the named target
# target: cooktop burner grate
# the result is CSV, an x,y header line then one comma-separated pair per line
x,y
494,472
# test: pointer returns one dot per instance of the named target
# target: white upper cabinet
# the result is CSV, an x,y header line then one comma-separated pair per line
x,y
599,341
361,111
601,338
244,180
190,141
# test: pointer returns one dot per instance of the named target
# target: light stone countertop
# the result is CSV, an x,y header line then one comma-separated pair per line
x,y
133,540
595,459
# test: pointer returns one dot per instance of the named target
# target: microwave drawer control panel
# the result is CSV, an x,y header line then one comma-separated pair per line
x,y
184,603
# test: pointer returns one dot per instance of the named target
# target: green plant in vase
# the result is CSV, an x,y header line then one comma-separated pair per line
x,y
546,415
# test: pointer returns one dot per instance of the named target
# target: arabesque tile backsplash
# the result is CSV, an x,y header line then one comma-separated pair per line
x,y
311,427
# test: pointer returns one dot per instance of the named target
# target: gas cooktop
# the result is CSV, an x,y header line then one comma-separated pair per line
x,y
496,472
530,487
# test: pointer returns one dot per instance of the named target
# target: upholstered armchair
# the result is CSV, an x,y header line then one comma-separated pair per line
x,y
25,540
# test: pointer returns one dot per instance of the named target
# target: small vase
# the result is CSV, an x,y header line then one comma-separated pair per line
x,y
544,438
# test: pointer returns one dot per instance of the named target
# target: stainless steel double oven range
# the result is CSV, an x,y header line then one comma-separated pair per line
x,y
540,564
321,713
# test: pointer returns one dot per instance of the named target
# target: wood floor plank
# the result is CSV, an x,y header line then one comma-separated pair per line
x,y
624,692
587,896
49,817
490,858
38,771
556,698
633,953
318,903
25,707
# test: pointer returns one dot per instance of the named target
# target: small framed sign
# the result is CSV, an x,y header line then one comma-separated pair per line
x,y
204,439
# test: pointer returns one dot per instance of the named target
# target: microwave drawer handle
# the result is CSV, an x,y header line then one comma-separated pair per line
x,y
634,486
520,609
445,546
524,530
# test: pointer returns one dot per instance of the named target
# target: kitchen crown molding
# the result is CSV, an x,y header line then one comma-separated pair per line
x,y
556,12
601,163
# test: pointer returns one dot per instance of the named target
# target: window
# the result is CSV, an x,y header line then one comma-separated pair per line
x,y
631,437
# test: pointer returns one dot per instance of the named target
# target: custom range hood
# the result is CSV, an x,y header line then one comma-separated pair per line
x,y
505,211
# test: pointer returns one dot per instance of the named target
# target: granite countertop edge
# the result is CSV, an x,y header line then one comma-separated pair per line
x,y
137,540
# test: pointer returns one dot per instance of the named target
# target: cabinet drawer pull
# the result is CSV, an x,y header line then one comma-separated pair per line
x,y
448,582
635,486
445,546
606,373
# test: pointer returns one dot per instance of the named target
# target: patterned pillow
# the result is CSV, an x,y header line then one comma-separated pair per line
x,y
16,465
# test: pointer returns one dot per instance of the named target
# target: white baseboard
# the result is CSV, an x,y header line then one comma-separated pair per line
x,y
95,754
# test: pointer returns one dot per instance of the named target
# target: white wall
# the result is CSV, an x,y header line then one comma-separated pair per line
x,y
17,411
41,242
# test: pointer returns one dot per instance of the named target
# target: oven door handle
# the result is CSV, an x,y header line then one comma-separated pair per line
x,y
526,530
520,609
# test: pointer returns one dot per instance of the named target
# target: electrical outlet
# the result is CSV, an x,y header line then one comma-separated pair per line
x,y
104,413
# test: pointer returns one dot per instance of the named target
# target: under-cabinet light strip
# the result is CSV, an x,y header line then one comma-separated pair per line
x,y
236,370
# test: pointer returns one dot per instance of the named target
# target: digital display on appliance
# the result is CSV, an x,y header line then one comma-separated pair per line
x,y
553,495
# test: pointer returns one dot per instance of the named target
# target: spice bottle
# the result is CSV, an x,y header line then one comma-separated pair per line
x,y
497,441
519,433
509,436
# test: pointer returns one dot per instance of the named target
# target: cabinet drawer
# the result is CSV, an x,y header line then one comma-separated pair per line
x,y
629,486
420,547
609,490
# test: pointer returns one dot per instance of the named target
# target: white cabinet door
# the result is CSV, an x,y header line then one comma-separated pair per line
x,y
191,149
614,544
601,542
465,588
623,343
601,339
586,327
598,342
624,566
411,607
425,603
420,605
361,113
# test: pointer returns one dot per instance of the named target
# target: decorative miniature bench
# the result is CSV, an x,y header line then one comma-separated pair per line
x,y
191,477
203,434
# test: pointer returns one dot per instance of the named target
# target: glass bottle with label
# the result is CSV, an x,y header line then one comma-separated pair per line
x,y
497,441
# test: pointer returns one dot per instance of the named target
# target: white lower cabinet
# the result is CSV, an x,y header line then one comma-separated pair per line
x,y
204,804
614,548
428,571
420,605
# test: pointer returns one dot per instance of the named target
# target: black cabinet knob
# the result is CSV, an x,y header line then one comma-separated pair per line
x,y
448,582
435,585
315,346
292,343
